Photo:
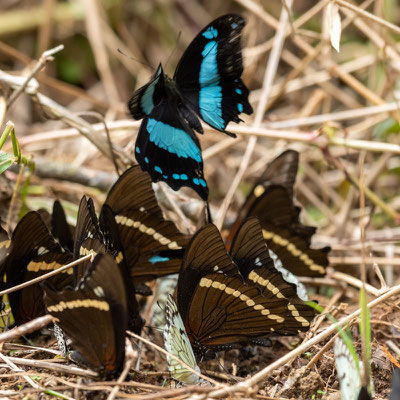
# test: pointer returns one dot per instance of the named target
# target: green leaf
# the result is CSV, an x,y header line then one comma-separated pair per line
x,y
6,160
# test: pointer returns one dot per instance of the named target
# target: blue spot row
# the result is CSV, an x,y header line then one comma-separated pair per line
x,y
137,150
146,159
210,33
200,181
183,177
240,107
238,91
158,169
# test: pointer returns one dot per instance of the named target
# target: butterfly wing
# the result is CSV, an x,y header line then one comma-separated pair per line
x,y
153,246
142,102
94,315
208,74
60,228
33,252
250,254
177,343
168,149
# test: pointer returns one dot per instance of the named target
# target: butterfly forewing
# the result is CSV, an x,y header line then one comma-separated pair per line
x,y
142,102
177,343
32,253
94,315
209,71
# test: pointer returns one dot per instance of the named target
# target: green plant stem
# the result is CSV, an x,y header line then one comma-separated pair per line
x,y
9,128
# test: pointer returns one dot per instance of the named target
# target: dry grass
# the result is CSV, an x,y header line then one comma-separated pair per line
x,y
334,108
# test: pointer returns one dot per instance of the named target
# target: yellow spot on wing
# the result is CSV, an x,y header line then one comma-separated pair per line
x,y
86,303
206,282
292,249
122,220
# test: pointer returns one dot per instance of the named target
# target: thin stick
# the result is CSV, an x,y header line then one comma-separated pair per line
x,y
45,58
26,328
48,275
218,384
129,356
342,277
69,369
368,15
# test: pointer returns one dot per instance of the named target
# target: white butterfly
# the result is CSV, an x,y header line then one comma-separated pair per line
x,y
177,343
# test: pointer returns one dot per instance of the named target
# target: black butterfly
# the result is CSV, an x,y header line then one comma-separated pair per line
x,y
206,84
58,225
103,238
153,246
33,252
94,316
220,304
271,201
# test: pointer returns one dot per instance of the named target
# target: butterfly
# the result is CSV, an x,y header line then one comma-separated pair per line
x,y
102,237
33,251
221,303
206,84
94,316
153,246
288,240
58,225
177,343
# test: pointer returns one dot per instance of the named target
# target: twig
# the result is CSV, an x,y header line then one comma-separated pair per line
x,y
45,58
26,328
368,15
149,343
129,357
68,369
48,275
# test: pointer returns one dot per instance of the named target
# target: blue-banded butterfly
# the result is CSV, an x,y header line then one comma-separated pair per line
x,y
222,305
94,315
271,201
32,252
206,84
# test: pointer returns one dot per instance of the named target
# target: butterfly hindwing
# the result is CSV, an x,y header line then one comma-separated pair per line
x,y
208,74
177,343
94,315
168,149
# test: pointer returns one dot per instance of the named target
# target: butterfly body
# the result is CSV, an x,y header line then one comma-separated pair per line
x,y
206,85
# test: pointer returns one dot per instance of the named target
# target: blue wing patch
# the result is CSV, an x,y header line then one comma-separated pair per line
x,y
168,149
148,96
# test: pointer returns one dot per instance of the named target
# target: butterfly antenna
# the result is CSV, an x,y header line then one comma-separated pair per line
x,y
174,49
146,64
208,213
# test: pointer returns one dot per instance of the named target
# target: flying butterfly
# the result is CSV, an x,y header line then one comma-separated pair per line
x,y
94,315
33,252
153,246
206,84
220,308
271,201
177,343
